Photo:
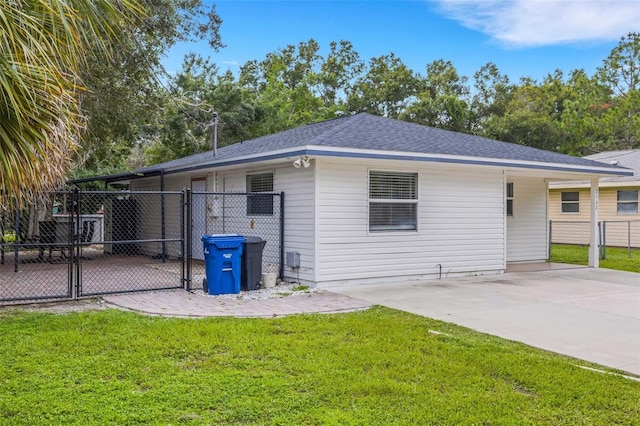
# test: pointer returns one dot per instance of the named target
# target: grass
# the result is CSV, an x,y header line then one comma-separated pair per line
x,y
378,366
616,258
9,237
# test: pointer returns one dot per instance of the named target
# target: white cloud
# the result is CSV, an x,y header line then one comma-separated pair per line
x,y
546,22
231,63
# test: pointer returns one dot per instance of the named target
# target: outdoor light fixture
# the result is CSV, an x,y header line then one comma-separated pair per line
x,y
303,161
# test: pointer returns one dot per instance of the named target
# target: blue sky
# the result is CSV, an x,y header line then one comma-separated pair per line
x,y
522,37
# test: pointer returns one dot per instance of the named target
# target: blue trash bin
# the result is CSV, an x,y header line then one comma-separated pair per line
x,y
222,261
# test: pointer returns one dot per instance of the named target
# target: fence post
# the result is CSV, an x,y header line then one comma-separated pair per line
x,y
604,240
550,240
2,237
629,239
163,218
74,243
189,237
600,240
16,241
281,236
182,233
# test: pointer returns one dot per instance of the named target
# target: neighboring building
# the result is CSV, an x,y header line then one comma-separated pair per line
x,y
569,203
371,199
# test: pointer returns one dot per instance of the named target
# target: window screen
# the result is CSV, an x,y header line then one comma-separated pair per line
x,y
510,199
260,204
570,202
393,201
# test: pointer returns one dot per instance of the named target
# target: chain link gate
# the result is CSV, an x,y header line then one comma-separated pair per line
x,y
35,257
88,243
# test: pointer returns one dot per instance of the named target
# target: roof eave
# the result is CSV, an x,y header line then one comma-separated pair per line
x,y
322,151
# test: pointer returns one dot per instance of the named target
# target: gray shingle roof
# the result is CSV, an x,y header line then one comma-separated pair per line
x,y
629,158
375,134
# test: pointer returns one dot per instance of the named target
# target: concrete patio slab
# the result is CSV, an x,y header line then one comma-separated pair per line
x,y
593,315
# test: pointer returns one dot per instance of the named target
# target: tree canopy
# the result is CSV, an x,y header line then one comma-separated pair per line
x,y
83,90
571,113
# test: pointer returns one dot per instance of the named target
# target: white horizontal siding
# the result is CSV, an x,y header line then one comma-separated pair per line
x,y
527,231
460,224
299,205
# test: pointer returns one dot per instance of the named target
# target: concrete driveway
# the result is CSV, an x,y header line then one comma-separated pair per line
x,y
588,314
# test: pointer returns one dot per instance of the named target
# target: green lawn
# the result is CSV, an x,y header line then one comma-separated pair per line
x,y
378,366
616,258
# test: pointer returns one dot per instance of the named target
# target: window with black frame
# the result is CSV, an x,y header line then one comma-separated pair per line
x,y
260,204
570,202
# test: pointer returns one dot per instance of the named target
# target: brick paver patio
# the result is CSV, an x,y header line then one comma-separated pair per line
x,y
180,303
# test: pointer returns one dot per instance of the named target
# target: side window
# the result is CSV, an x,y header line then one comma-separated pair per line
x,y
509,198
393,201
570,202
262,204
628,202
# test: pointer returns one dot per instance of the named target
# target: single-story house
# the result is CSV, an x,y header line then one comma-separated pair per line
x,y
569,203
373,199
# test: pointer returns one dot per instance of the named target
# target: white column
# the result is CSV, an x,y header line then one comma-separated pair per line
x,y
594,254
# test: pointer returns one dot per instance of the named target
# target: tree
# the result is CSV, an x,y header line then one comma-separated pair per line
x,y
337,74
533,114
582,114
603,112
493,92
386,89
284,88
442,100
186,126
621,73
44,48
128,91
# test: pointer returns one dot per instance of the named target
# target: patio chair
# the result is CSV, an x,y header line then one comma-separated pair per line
x,y
54,236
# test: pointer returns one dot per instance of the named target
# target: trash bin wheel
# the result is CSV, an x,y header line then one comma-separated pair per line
x,y
205,285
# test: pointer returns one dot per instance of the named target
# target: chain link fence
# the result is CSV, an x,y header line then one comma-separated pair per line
x,y
88,243
611,234
247,214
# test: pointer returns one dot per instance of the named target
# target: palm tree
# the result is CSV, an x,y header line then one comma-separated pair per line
x,y
44,45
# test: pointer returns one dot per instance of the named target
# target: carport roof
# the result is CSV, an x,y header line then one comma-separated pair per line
x,y
368,136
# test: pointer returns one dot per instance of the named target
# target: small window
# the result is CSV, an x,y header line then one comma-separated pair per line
x,y
260,204
509,198
628,202
393,201
570,202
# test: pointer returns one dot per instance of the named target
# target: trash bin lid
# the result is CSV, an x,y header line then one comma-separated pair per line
x,y
228,244
224,240
252,240
220,237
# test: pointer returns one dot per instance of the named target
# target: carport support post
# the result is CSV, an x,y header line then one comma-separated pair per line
x,y
594,258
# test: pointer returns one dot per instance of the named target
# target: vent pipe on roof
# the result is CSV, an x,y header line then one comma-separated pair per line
x,y
214,139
